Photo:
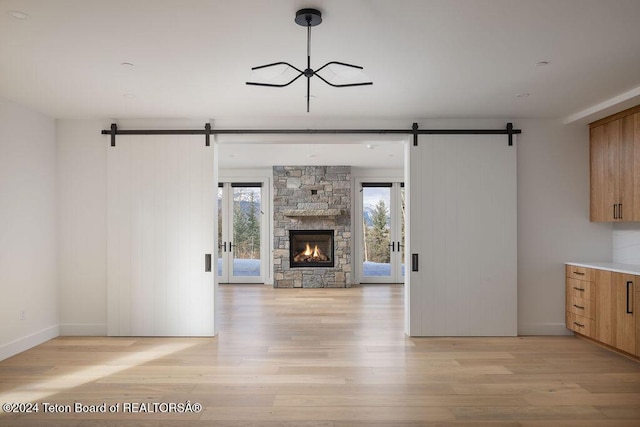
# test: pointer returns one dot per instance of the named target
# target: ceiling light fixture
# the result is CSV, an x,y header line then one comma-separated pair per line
x,y
542,63
309,18
523,95
18,15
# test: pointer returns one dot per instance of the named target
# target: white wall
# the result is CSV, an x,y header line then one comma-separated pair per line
x,y
28,271
626,243
82,222
553,220
553,217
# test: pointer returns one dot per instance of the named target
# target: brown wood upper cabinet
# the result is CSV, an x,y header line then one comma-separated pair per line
x,y
615,167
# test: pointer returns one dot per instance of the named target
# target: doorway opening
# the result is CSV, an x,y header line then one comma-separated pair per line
x,y
380,232
241,233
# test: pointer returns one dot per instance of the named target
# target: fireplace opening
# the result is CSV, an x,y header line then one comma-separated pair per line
x,y
311,248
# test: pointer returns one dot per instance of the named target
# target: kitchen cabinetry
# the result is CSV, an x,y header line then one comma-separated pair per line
x,y
637,316
580,300
615,165
601,304
615,319
625,330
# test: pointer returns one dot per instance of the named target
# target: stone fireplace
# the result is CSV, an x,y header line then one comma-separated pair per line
x,y
312,207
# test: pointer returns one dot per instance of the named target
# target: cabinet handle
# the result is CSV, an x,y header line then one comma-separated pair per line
x,y
578,273
615,216
207,263
577,306
629,284
579,289
393,246
578,324
619,210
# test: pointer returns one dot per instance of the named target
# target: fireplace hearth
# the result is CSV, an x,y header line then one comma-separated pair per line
x,y
311,248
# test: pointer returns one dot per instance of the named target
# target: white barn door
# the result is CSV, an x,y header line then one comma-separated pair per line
x,y
462,225
161,199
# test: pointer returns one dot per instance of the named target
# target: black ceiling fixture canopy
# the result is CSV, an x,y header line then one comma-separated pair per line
x,y
308,18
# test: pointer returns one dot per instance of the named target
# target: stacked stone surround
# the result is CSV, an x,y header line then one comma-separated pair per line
x,y
312,198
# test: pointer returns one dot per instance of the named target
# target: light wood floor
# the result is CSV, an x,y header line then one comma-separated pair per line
x,y
326,357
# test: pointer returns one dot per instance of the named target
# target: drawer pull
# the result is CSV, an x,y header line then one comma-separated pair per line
x,y
577,306
578,324
578,273
578,289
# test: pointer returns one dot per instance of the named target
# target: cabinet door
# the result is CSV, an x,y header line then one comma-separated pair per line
x,y
615,310
629,158
625,325
636,168
605,304
637,305
605,166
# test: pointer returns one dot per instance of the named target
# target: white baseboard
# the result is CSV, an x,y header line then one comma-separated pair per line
x,y
25,343
543,329
83,329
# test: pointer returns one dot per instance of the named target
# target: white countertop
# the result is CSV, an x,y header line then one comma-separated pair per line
x,y
610,266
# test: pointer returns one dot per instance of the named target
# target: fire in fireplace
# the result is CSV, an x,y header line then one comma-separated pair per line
x,y
311,248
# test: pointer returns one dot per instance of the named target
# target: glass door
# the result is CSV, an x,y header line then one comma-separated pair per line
x,y
240,224
381,233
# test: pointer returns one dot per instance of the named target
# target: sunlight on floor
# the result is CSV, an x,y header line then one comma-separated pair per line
x,y
40,389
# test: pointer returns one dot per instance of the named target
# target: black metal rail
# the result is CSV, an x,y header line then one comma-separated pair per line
x,y
208,131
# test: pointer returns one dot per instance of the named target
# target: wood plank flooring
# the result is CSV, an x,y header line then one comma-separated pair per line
x,y
324,357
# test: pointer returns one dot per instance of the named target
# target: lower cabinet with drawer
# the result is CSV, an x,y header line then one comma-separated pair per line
x,y
615,319
580,324
600,304
580,301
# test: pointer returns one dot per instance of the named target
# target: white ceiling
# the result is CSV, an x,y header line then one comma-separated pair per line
x,y
427,58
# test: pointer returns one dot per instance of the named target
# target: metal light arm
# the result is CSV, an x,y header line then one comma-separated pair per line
x,y
275,85
273,65
345,65
339,63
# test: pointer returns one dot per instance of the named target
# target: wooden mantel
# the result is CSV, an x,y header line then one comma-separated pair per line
x,y
314,212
